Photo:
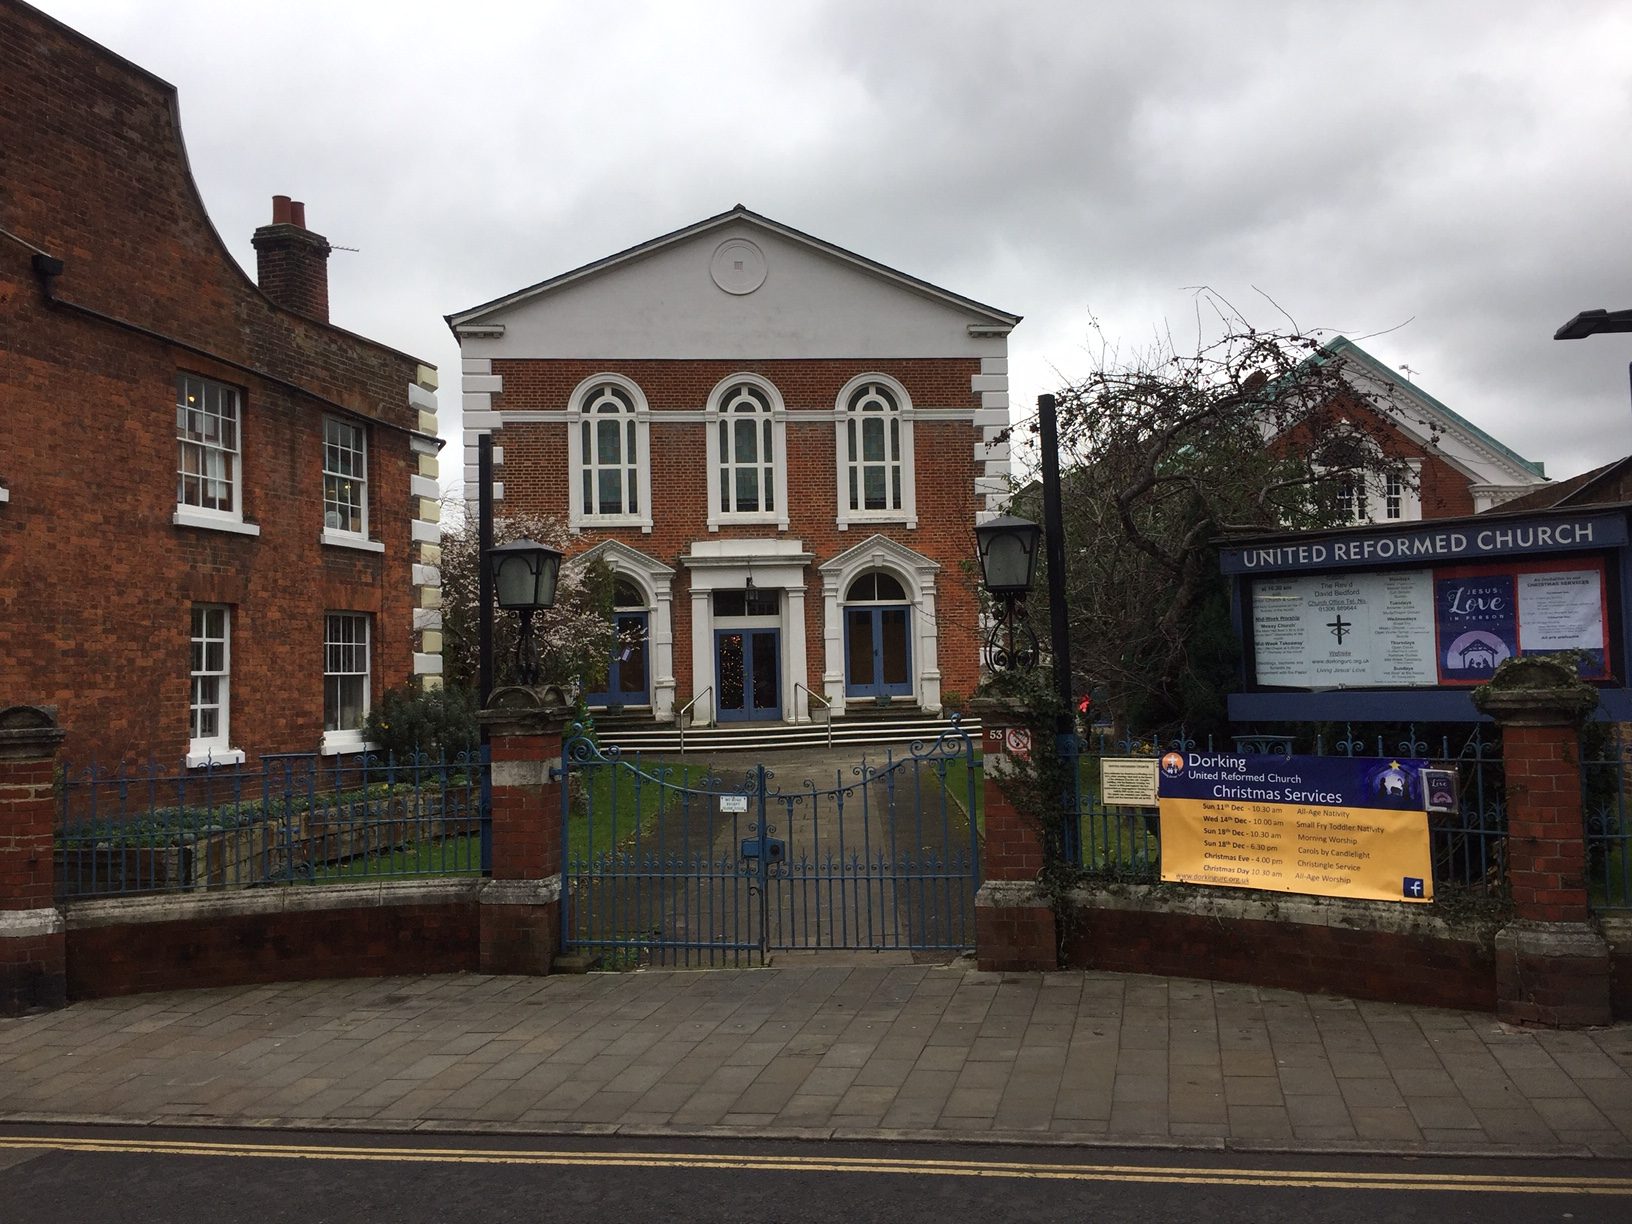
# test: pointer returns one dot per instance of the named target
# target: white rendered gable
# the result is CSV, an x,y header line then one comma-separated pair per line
x,y
668,305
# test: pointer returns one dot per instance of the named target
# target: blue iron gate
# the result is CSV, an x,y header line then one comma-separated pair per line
x,y
666,862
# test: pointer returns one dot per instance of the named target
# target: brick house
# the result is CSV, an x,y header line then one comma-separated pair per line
x,y
243,574
780,447
1446,465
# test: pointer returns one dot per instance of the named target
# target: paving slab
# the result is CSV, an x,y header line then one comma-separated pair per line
x,y
860,1047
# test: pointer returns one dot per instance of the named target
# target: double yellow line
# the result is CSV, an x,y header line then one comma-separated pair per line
x,y
900,1166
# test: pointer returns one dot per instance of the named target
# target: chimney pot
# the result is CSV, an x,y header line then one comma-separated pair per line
x,y
292,262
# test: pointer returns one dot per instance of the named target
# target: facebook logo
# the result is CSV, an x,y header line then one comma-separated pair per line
x,y
1413,886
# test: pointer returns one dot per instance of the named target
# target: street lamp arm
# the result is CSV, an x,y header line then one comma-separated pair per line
x,y
1595,322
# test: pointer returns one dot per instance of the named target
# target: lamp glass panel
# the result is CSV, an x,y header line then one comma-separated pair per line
x,y
514,582
1007,562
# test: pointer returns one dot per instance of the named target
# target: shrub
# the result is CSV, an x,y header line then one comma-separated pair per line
x,y
440,723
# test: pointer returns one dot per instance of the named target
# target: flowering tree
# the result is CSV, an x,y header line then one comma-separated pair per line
x,y
574,636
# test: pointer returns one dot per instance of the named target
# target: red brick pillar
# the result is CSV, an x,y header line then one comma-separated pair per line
x,y
32,943
1552,963
521,903
1014,918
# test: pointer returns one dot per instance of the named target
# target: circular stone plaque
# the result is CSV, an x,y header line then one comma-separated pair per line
x,y
738,266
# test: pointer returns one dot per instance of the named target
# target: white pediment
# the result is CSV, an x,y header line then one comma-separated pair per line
x,y
879,550
738,286
1434,426
623,558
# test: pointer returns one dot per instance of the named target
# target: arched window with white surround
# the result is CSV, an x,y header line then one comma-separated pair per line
x,y
875,452
747,453
608,427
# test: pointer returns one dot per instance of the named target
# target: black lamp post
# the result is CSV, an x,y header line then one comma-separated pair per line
x,y
1008,563
523,574
1008,566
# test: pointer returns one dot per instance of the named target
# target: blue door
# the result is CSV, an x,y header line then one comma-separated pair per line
x,y
748,674
627,682
877,652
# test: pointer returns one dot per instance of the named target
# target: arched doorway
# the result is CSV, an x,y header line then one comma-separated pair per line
x,y
877,638
628,670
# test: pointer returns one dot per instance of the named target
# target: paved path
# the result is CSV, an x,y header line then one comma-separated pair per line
x,y
867,1049
880,860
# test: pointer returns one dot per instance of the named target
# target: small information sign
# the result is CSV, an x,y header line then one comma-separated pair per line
x,y
733,803
1327,826
1127,781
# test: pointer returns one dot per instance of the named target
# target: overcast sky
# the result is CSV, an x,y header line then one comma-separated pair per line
x,y
1454,176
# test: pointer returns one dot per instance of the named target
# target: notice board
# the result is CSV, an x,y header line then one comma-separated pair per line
x,y
1327,826
1450,625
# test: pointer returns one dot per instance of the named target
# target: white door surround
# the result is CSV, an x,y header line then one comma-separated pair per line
x,y
916,573
655,582
727,565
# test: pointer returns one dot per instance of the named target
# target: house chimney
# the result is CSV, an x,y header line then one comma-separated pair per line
x,y
292,263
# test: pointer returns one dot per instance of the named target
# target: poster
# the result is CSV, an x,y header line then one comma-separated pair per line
x,y
1327,826
1564,610
1344,630
1477,619
1495,612
1127,781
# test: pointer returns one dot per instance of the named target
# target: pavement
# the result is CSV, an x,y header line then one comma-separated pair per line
x,y
866,1046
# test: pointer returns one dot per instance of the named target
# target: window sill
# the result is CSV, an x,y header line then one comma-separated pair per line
x,y
600,523
214,757
345,743
186,516
339,539
743,520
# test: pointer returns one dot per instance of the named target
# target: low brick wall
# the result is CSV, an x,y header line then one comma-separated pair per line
x,y
131,945
1365,950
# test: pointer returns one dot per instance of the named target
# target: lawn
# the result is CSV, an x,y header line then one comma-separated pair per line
x,y
625,800
957,788
1120,841
453,856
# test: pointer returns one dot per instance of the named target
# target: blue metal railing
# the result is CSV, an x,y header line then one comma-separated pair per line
x,y
1608,812
291,818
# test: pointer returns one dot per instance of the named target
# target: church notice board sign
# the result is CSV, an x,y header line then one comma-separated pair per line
x,y
1446,626
1327,826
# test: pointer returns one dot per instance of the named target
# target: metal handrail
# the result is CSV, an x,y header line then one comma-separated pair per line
x,y
810,692
680,718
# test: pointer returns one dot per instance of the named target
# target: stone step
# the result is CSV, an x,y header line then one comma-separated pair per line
x,y
774,737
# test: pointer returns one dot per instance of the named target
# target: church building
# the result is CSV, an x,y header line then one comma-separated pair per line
x,y
781,449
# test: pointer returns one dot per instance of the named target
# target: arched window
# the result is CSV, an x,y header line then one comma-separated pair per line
x,y
874,444
876,588
747,452
610,473
607,441
873,437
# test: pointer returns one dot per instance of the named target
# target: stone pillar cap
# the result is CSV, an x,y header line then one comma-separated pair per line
x,y
28,731
1538,691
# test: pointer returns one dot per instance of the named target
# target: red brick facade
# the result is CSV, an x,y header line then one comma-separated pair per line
x,y
536,466
97,579
1443,490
